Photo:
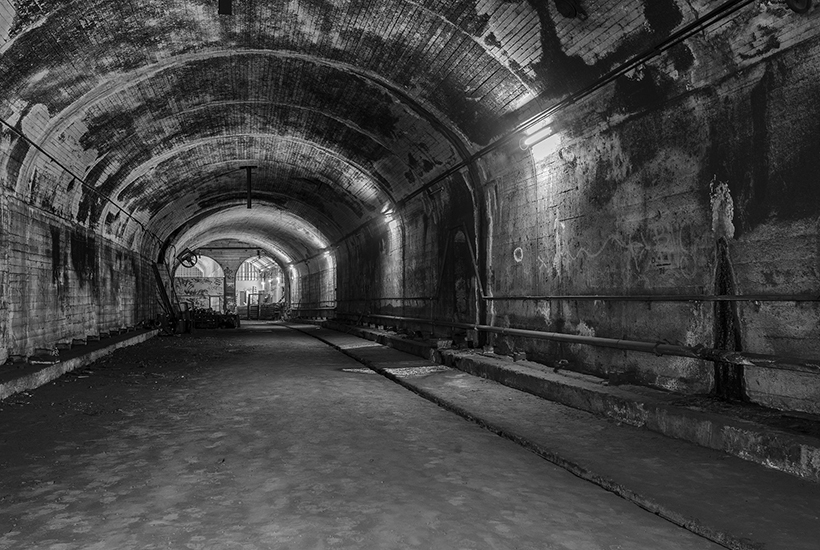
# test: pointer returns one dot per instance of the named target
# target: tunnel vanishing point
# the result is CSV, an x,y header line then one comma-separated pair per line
x,y
628,190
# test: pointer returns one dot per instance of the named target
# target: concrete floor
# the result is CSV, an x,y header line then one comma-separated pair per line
x,y
256,438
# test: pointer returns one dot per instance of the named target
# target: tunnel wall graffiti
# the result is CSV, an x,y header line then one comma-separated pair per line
x,y
199,290
631,201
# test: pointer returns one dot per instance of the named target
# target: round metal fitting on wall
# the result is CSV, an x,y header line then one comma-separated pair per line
x,y
570,9
799,6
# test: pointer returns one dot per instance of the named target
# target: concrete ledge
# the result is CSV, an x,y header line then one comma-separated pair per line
x,y
414,347
38,374
654,410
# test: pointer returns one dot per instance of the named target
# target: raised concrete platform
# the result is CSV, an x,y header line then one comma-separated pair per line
x,y
789,443
736,503
20,377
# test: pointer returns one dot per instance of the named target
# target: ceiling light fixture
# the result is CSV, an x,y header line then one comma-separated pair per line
x,y
541,134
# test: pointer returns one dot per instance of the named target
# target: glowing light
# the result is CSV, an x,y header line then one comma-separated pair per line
x,y
388,216
545,147
543,133
537,127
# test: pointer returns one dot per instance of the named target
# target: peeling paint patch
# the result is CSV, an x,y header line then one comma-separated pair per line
x,y
545,311
597,30
723,209
584,329
39,76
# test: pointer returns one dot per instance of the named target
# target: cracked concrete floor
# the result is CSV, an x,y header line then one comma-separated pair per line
x,y
256,438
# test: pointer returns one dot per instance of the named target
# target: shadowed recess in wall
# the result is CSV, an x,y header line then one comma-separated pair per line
x,y
729,378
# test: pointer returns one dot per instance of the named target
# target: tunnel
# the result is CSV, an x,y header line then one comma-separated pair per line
x,y
612,206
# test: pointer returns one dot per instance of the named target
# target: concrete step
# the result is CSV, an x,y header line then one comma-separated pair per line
x,y
40,370
733,502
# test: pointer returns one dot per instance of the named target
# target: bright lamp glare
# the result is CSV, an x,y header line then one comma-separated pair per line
x,y
537,136
537,127
545,147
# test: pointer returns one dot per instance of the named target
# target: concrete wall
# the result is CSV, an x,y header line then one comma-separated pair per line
x,y
61,278
63,281
313,284
371,273
419,263
696,174
636,197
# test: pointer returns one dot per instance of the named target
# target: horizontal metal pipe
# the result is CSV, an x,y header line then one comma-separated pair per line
x,y
406,298
666,298
656,348
622,298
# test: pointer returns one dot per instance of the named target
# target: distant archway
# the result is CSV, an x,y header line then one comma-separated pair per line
x,y
260,288
201,285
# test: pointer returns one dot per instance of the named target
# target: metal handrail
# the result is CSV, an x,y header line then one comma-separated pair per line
x,y
665,298
657,348
617,298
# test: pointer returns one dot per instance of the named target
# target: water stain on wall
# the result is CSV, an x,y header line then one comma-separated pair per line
x,y
84,258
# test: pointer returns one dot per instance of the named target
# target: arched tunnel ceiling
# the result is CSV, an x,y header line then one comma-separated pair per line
x,y
280,233
343,106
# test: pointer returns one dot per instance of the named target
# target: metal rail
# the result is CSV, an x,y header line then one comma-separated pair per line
x,y
657,348
617,298
666,298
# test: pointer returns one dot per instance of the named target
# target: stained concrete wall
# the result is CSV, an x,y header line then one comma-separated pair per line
x,y
62,281
370,275
635,197
418,263
696,174
313,285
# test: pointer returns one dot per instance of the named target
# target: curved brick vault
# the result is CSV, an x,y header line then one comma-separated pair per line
x,y
345,107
